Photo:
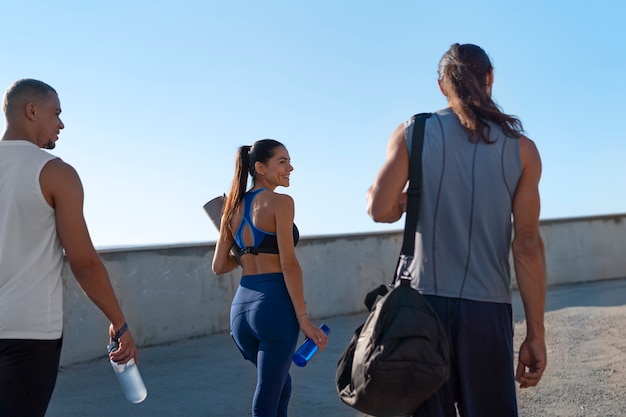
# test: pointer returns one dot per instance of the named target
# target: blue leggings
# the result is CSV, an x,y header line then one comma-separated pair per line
x,y
264,326
481,354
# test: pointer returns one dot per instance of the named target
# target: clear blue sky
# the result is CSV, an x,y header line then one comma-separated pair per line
x,y
158,95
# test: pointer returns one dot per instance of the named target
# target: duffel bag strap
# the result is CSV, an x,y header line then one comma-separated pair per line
x,y
414,194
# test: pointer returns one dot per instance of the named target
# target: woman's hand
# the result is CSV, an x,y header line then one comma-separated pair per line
x,y
313,332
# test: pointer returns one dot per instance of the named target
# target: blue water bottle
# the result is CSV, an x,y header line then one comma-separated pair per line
x,y
306,351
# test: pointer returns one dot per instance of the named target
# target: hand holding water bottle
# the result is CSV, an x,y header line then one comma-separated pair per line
x,y
122,360
126,349
311,331
317,341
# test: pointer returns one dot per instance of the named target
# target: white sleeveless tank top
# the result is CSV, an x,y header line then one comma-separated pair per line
x,y
31,256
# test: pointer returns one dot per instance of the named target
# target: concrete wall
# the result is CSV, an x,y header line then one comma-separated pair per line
x,y
585,249
169,293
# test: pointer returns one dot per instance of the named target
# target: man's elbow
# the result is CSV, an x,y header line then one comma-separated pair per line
x,y
383,215
528,247
380,206
85,268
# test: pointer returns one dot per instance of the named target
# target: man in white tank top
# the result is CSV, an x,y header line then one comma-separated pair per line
x,y
41,200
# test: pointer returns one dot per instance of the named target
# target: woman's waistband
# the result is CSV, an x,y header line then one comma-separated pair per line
x,y
247,280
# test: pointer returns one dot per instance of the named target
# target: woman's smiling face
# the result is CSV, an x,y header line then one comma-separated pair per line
x,y
277,169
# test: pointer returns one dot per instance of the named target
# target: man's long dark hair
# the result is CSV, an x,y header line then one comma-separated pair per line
x,y
463,72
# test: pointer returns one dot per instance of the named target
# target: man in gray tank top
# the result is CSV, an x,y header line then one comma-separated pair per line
x,y
479,170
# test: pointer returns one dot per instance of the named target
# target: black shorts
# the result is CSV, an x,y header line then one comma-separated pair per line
x,y
482,379
28,373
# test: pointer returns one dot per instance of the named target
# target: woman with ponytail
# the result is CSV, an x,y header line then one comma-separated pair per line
x,y
269,309
479,171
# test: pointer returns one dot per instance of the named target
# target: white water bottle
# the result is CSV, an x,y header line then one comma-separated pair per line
x,y
129,377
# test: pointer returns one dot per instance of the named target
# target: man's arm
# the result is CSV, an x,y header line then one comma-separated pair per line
x,y
385,199
63,190
530,266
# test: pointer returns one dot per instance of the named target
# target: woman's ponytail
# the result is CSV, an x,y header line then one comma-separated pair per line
x,y
237,190
247,156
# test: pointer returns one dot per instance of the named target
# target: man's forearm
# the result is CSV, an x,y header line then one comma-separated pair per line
x,y
94,281
530,271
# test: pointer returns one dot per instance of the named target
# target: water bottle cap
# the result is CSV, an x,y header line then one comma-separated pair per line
x,y
113,346
298,360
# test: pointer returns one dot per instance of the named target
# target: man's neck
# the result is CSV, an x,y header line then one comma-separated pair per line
x,y
17,134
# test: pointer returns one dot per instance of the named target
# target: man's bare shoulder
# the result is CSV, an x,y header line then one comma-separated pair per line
x,y
60,169
59,180
398,137
528,145
529,153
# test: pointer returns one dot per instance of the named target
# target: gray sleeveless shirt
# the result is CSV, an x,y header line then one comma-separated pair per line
x,y
463,239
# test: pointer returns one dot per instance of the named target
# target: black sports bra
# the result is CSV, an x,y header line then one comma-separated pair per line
x,y
262,241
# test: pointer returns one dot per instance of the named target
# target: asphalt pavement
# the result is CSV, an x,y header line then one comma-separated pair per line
x,y
207,376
